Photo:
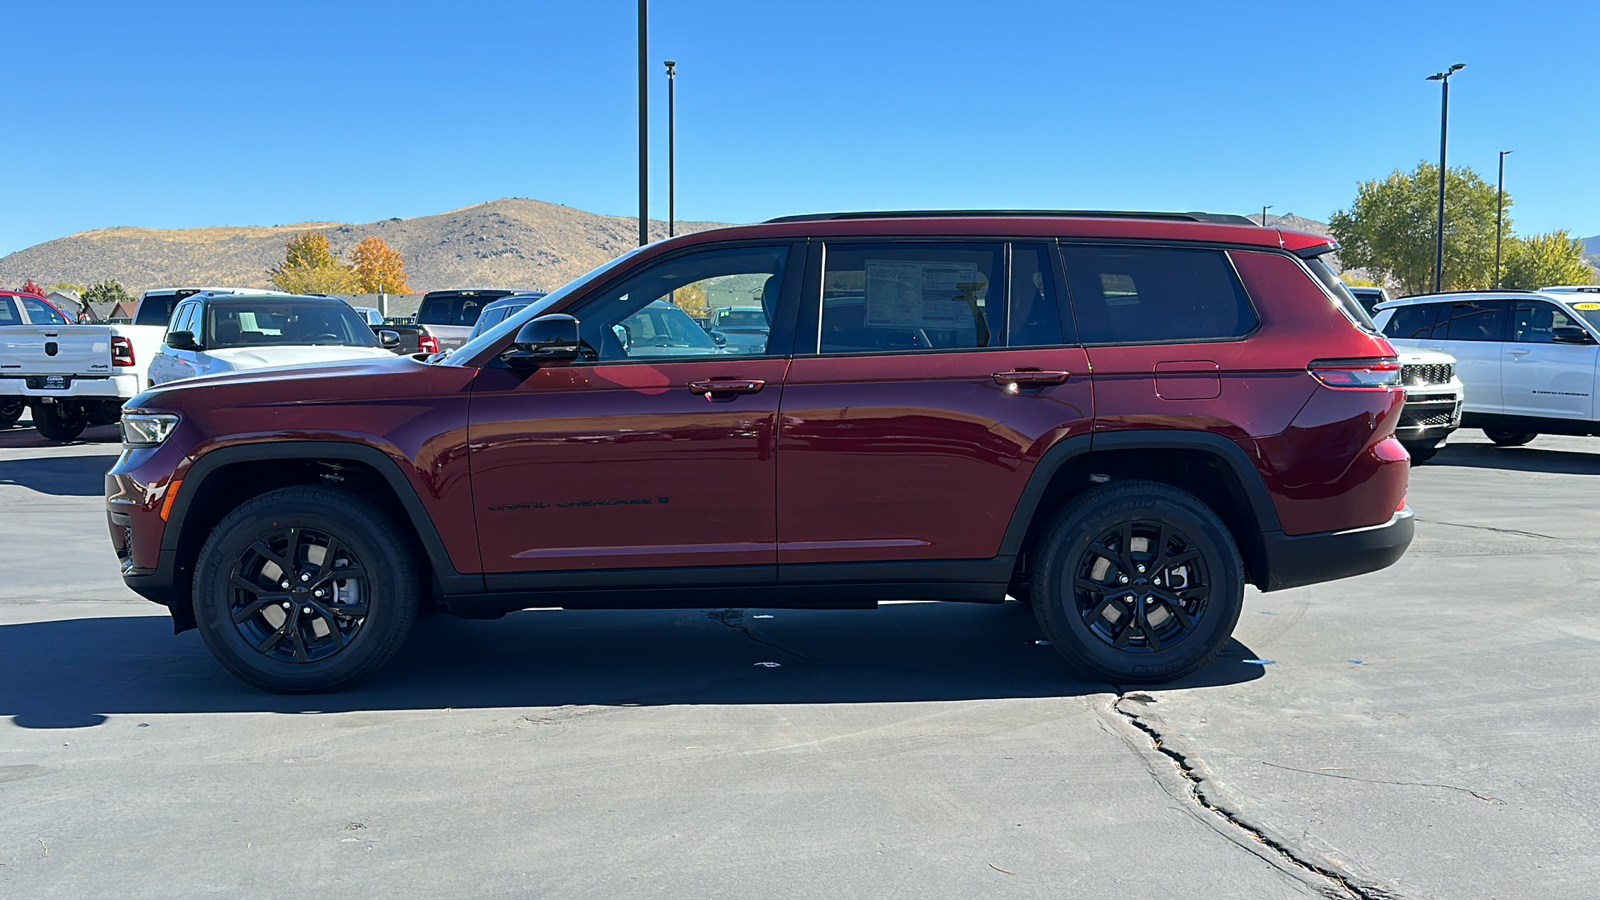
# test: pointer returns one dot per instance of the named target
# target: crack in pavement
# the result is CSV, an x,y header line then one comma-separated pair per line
x,y
1346,885
734,619
1449,787
1548,537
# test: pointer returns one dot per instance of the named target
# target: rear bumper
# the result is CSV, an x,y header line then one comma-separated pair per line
x,y
1297,560
111,387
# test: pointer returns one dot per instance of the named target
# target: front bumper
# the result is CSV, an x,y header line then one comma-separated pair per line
x,y
1428,417
1297,560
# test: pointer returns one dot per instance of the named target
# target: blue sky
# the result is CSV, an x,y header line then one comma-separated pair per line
x,y
178,114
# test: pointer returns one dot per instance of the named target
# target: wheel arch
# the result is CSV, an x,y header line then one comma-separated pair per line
x,y
1213,468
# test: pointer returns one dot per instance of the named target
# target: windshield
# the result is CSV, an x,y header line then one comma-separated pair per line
x,y
1590,310
513,322
740,318
269,323
1341,294
663,325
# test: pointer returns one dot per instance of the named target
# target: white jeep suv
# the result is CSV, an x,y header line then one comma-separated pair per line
x,y
1528,359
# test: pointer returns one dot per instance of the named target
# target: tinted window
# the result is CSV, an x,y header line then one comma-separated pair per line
x,y
1413,322
1035,314
1142,295
42,313
180,318
1534,322
455,307
654,315
269,322
893,297
1477,321
8,312
157,309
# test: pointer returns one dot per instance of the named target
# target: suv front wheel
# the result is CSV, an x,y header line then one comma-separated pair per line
x,y
1138,583
305,589
1509,438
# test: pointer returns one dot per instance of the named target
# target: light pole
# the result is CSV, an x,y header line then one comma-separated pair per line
x,y
644,124
1499,213
1264,216
672,179
1444,133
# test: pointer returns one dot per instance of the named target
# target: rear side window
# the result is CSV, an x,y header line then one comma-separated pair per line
x,y
8,312
1413,322
1141,295
157,309
1483,320
893,297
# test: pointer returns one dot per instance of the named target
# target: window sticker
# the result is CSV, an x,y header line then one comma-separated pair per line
x,y
920,294
1586,307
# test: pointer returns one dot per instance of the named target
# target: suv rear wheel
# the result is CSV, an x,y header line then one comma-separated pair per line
x,y
1510,438
305,589
1138,582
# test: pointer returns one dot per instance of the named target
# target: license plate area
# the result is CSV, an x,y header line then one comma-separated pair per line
x,y
49,382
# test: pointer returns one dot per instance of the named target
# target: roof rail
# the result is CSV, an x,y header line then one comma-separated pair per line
x,y
1215,218
1469,291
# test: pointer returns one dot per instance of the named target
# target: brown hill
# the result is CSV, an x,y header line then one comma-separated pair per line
x,y
510,243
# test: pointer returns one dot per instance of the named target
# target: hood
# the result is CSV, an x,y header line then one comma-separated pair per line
x,y
304,382
292,355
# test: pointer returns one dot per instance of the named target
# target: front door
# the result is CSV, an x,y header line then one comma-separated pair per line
x,y
917,407
1543,378
657,451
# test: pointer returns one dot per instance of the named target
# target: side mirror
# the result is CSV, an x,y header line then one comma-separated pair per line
x,y
182,340
719,338
1570,334
543,341
389,339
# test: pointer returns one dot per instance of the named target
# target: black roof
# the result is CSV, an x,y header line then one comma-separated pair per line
x,y
1216,218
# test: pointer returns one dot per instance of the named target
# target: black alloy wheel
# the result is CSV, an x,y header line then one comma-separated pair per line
x,y
1137,582
306,589
298,595
1510,438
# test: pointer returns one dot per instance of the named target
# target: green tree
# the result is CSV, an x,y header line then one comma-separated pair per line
x,y
67,286
309,267
106,291
1543,260
1391,228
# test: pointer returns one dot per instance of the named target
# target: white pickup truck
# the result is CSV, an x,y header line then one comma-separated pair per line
x,y
73,376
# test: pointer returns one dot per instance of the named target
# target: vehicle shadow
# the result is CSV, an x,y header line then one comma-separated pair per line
x,y
1518,459
22,435
62,476
75,673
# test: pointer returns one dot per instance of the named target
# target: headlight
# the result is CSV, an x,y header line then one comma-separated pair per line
x,y
147,429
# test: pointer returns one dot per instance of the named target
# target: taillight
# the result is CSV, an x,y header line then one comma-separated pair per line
x,y
428,344
121,351
1357,374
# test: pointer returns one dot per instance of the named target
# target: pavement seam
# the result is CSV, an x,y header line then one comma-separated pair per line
x,y
1449,787
1535,534
1345,886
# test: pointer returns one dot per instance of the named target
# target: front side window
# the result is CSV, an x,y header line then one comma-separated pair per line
x,y
1482,320
42,313
278,323
1143,295
657,313
898,297
1535,322
1412,322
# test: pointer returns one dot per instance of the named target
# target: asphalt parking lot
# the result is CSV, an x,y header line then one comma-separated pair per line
x,y
1424,732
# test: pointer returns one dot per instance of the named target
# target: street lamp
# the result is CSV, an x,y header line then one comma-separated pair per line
x,y
1444,132
644,124
672,180
1499,212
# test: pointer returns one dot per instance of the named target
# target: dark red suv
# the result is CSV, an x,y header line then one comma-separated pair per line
x,y
1118,418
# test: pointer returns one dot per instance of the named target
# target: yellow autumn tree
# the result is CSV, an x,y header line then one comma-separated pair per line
x,y
309,267
379,268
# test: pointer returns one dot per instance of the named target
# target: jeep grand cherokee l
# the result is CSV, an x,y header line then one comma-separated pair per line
x,y
1120,419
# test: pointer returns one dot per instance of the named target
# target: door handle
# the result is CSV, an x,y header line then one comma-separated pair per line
x,y
1030,377
716,386
1518,352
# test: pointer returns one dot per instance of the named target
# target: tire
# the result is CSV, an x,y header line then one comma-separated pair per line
x,y
1510,438
10,412
104,412
1084,545
58,421
238,591
1421,453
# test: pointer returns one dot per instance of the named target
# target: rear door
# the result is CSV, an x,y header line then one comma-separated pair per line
x,y
928,380
1475,334
1541,377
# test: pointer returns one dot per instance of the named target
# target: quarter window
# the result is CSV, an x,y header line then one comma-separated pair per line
x,y
905,297
1035,314
1124,295
1482,320
1413,322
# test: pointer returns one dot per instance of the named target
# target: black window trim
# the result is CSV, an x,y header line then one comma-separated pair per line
x,y
811,305
1227,251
